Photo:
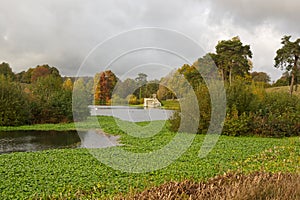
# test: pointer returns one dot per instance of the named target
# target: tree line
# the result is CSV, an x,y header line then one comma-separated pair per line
x,y
250,110
38,95
42,95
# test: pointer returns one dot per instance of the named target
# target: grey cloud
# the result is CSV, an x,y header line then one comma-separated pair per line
x,y
251,13
62,33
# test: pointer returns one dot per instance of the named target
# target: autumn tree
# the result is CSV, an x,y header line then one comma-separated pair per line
x,y
287,58
43,71
68,84
104,86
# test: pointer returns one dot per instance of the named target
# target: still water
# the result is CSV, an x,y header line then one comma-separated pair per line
x,y
23,141
132,114
20,141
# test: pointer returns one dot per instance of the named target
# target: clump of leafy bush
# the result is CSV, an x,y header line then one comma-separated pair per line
x,y
250,111
14,106
196,109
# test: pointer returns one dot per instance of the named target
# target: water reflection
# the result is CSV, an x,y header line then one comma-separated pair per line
x,y
97,139
23,141
20,141
132,114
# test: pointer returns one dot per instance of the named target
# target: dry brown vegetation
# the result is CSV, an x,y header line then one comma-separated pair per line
x,y
259,185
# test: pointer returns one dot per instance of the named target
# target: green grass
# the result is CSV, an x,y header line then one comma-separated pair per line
x,y
40,127
89,123
172,105
75,172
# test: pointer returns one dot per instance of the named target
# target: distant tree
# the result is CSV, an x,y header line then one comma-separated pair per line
x,y
287,58
90,90
232,58
174,85
131,99
284,80
151,88
260,77
68,84
125,88
141,81
25,77
191,74
164,93
105,83
6,71
50,103
14,108
43,71
80,100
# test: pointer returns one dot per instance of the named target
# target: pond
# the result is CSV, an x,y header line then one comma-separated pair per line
x,y
20,141
23,141
132,114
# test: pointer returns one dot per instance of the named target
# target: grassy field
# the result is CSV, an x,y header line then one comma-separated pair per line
x,y
75,173
89,123
283,89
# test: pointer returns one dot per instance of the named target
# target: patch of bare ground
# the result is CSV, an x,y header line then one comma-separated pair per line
x,y
236,186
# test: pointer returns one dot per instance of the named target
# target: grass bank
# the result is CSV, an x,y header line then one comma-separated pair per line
x,y
89,123
283,89
75,173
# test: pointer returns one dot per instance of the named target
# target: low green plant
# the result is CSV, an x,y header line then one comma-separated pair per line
x,y
75,173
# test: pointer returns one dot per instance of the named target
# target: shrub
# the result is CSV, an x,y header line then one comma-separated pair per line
x,y
236,125
14,109
194,110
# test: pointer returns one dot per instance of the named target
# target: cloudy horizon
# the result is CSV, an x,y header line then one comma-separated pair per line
x,y
63,33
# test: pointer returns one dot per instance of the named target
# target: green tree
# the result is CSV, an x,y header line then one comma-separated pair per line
x,y
6,71
191,74
284,80
89,86
14,108
141,81
125,88
260,77
80,100
232,58
287,58
51,103
25,77
151,88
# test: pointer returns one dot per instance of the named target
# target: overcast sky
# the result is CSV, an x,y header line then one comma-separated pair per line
x,y
62,33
